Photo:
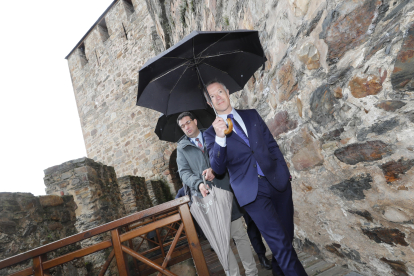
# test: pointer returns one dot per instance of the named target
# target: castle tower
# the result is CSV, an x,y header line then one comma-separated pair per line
x,y
104,71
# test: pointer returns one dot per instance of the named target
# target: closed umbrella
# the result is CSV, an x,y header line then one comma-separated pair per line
x,y
213,214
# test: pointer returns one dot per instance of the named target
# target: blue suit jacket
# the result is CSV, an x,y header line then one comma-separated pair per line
x,y
240,159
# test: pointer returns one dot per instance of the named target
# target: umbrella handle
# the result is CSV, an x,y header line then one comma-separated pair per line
x,y
230,127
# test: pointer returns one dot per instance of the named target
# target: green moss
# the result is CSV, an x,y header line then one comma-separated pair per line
x,y
226,21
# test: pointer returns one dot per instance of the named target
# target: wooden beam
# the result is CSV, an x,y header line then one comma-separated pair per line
x,y
107,263
193,242
147,261
171,250
119,254
76,254
149,227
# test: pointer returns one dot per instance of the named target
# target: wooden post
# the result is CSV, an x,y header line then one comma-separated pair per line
x,y
119,254
38,265
193,242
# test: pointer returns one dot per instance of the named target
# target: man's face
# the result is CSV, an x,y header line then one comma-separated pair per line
x,y
220,98
189,127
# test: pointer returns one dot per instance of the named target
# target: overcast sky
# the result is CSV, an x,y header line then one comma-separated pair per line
x,y
40,125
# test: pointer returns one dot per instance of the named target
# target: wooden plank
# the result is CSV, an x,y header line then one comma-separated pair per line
x,y
37,266
119,254
94,231
149,227
171,250
193,242
318,268
107,263
25,272
76,254
147,261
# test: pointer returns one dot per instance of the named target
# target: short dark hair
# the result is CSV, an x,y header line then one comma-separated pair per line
x,y
184,114
216,81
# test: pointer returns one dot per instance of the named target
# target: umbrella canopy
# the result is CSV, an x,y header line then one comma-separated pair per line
x,y
174,80
213,214
167,128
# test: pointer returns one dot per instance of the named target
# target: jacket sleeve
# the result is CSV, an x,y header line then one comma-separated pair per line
x,y
217,154
186,174
271,142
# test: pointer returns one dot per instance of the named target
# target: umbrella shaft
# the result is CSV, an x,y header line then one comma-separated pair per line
x,y
208,99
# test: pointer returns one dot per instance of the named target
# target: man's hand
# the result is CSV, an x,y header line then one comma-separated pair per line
x,y
209,174
219,127
203,189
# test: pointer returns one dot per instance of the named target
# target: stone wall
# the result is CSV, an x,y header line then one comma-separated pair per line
x,y
336,93
27,222
95,190
134,194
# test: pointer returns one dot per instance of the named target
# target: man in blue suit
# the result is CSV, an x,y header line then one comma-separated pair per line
x,y
258,173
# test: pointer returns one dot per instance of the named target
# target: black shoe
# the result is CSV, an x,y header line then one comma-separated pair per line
x,y
264,262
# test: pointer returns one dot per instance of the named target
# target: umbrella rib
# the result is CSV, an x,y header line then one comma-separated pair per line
x,y
186,63
223,54
212,44
178,80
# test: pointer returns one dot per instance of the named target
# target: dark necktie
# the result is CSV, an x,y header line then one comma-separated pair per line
x,y
200,145
242,134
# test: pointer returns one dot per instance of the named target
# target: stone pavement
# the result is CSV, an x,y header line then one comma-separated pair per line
x,y
312,264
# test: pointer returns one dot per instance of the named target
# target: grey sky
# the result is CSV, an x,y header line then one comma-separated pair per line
x,y
40,126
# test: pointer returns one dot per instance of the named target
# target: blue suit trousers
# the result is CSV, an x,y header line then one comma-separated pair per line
x,y
272,212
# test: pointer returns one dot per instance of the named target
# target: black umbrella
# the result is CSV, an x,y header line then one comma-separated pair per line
x,y
167,128
174,81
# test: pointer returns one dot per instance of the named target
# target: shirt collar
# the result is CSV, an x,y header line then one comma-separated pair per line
x,y
200,137
233,111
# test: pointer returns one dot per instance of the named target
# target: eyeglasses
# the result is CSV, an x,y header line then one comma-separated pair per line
x,y
186,123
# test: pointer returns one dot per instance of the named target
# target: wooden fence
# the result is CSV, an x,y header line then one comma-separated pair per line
x,y
173,217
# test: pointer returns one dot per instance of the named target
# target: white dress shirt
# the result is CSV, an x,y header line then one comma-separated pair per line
x,y
222,141
200,137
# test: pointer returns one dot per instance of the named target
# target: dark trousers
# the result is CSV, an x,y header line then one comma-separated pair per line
x,y
272,211
254,235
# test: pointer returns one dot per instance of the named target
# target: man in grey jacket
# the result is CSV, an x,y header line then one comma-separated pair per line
x,y
193,162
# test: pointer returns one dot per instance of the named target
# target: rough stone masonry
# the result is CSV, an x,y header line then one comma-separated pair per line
x,y
336,92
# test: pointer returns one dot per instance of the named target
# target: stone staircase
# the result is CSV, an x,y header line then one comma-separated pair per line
x,y
313,264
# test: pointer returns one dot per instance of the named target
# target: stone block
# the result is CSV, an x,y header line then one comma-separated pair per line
x,y
347,27
281,123
50,200
390,105
353,188
322,104
365,214
363,152
392,237
378,128
402,76
398,267
393,169
309,55
362,87
287,82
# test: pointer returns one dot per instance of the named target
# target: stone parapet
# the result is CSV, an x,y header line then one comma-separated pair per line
x,y
95,190
27,222
134,193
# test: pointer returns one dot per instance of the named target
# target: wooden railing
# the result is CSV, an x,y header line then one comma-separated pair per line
x,y
173,216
